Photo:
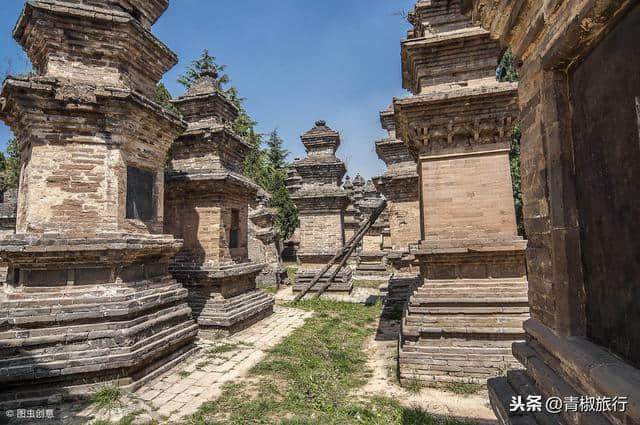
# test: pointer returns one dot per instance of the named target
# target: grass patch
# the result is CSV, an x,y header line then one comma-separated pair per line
x,y
463,388
222,348
107,397
310,377
291,273
413,385
375,284
183,373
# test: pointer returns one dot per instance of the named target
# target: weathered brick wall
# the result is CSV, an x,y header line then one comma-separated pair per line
x,y
68,190
467,196
372,243
204,222
321,232
404,223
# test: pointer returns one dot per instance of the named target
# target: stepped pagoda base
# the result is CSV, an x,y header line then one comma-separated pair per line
x,y
462,319
398,289
403,262
371,266
562,367
225,300
82,312
310,265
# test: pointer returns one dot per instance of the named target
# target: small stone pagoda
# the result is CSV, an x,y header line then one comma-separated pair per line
x,y
263,242
321,203
206,204
371,255
92,299
399,184
472,301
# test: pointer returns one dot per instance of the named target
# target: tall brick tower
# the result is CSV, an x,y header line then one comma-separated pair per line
x,y
207,205
92,299
321,203
472,301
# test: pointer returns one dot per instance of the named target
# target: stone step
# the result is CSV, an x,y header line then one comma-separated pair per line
x,y
120,341
467,310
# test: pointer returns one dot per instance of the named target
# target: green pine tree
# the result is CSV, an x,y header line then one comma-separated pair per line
x,y
205,62
514,160
276,154
163,98
507,70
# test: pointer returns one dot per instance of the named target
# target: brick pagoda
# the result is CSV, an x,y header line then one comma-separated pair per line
x,y
92,299
579,98
206,204
321,203
472,301
399,184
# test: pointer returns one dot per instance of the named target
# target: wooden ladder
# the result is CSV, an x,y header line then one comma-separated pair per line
x,y
343,255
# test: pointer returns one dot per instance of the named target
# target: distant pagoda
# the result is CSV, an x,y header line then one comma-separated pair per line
x,y
207,204
321,203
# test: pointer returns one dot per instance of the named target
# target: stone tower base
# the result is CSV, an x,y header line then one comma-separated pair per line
x,y
88,311
225,300
461,321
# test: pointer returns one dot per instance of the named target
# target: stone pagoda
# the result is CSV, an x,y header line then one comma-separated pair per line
x,y
371,256
264,246
472,300
321,203
399,184
206,204
92,299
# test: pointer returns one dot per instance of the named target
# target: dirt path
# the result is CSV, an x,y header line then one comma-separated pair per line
x,y
382,349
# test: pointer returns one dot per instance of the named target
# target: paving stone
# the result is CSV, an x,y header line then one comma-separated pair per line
x,y
184,395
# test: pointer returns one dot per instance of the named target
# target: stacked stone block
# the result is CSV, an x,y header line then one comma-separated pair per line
x,y
91,299
470,306
321,203
207,204
580,150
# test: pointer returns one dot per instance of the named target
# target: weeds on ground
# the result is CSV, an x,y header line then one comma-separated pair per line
x,y
183,373
463,388
291,273
413,385
310,377
107,397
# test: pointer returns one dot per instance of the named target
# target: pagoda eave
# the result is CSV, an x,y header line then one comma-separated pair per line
x,y
42,20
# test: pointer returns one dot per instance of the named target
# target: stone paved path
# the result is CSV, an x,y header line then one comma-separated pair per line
x,y
184,389
358,295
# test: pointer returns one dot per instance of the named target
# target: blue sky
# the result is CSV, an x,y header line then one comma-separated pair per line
x,y
295,61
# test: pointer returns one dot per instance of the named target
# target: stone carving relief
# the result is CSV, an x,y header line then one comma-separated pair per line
x,y
440,135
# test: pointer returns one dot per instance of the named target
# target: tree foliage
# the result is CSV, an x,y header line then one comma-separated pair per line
x,y
10,164
514,160
267,167
163,98
508,72
205,62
